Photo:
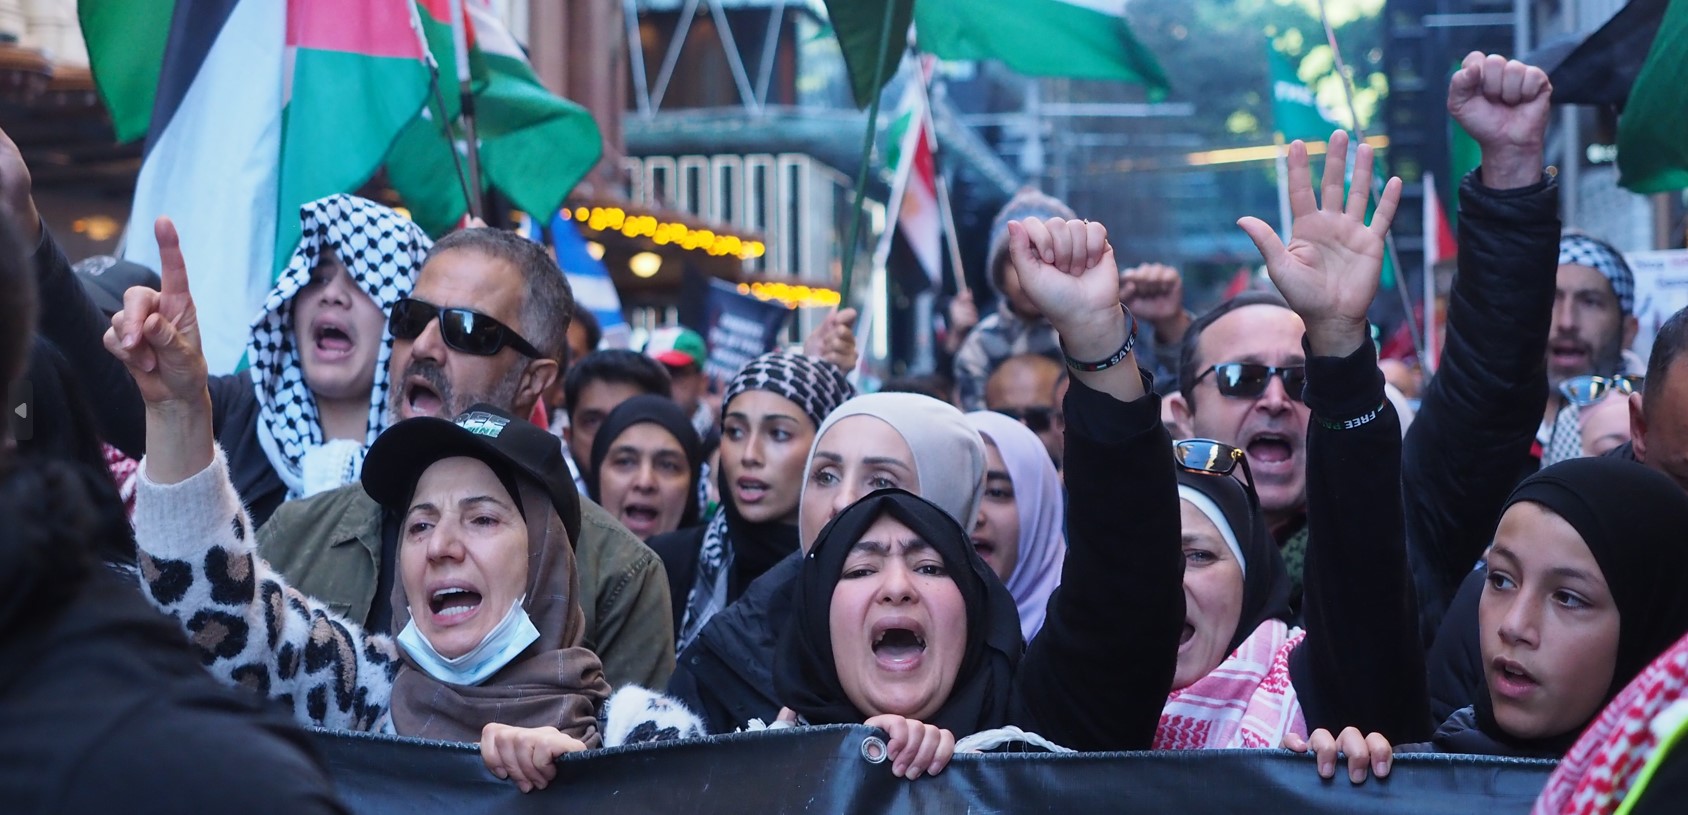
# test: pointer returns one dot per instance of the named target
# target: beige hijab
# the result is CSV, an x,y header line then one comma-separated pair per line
x,y
554,682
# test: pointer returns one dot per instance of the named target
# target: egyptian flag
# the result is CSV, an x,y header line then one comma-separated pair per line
x,y
249,108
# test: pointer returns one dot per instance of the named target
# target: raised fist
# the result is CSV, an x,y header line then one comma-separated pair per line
x,y
1154,292
1504,105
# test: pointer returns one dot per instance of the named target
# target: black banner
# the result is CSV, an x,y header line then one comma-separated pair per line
x,y
741,328
823,769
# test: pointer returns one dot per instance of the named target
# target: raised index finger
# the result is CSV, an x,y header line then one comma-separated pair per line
x,y
173,269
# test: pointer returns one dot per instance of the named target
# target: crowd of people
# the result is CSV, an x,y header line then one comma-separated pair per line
x,y
433,507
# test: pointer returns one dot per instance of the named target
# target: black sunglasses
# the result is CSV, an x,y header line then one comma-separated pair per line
x,y
1247,380
1583,391
1213,458
1036,419
462,329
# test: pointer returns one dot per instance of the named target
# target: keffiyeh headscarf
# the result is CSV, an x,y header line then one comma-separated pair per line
x,y
817,388
1583,250
382,251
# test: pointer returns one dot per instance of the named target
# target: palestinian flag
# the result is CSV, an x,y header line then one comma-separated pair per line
x,y
534,146
249,109
1080,39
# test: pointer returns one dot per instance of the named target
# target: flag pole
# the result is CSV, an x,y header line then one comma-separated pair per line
x,y
450,138
929,123
466,96
867,156
1431,228
1360,136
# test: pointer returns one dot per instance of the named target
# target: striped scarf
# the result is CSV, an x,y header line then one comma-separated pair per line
x,y
1605,763
1248,701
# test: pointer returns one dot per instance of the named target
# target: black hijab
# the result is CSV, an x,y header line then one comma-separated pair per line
x,y
1265,579
805,675
1634,521
660,411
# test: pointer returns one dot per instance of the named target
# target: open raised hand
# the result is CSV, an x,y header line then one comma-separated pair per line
x,y
157,333
1504,105
1329,272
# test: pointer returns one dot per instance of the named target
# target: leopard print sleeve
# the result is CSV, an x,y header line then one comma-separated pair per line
x,y
198,563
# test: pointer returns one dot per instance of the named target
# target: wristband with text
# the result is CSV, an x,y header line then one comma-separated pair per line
x,y
1359,421
1118,357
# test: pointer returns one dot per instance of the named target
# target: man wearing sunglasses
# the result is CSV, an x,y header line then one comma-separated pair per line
x,y
1240,382
486,322
1029,388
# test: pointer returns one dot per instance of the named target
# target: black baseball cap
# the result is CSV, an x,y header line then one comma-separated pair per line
x,y
404,451
106,278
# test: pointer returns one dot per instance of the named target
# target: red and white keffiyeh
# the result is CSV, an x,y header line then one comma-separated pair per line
x,y
1248,701
1601,767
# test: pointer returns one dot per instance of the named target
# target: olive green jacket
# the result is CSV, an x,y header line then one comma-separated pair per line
x,y
328,546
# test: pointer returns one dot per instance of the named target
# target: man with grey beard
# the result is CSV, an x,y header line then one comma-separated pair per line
x,y
461,338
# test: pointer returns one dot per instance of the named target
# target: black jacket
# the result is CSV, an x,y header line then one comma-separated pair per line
x,y
105,708
1361,663
1087,681
1470,444
72,321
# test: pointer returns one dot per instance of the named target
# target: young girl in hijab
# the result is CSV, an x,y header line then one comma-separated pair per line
x,y
645,462
1022,527
1583,590
770,412
870,442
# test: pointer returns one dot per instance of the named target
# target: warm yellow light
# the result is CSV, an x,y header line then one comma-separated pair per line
x,y
794,296
645,264
582,213
595,249
1265,152
96,227
607,219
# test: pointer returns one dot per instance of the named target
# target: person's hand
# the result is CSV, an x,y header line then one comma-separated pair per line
x,y
157,333
963,313
1505,106
17,204
1155,293
834,340
526,756
1363,752
1329,272
1066,268
914,748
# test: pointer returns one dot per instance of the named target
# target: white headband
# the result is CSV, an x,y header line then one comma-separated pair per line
x,y
1200,500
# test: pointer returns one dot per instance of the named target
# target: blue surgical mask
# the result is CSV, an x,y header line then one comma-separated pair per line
x,y
510,637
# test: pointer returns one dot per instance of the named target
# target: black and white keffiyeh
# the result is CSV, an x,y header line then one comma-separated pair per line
x,y
1600,256
383,251
815,386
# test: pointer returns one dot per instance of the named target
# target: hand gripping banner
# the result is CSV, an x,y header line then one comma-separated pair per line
x,y
828,769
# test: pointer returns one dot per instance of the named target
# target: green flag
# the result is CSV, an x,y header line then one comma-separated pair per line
x,y
1295,112
534,146
1652,153
1463,156
1079,39
860,25
126,42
